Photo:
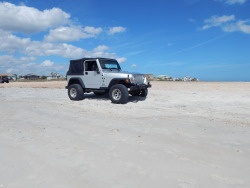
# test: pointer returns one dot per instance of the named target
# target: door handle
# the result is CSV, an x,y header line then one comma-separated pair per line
x,y
86,73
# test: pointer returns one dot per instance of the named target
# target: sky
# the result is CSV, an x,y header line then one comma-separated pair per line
x,y
205,39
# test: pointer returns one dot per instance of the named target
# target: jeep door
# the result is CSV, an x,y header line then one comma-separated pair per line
x,y
92,75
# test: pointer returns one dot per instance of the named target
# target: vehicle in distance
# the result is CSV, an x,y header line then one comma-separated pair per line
x,y
4,79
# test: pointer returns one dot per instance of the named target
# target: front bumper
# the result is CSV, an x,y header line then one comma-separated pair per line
x,y
140,87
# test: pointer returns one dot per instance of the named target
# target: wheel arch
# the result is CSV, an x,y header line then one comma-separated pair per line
x,y
118,81
76,80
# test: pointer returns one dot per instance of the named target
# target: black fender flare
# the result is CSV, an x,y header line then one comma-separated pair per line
x,y
76,80
118,81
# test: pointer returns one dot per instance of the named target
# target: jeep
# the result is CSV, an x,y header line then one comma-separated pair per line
x,y
101,76
4,79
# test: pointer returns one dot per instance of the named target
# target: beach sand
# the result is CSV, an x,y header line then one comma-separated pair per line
x,y
184,134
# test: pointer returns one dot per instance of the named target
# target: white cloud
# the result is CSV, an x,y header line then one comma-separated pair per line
x,y
101,48
37,48
14,44
217,21
238,26
29,20
11,43
39,68
93,30
133,65
232,2
66,34
24,19
25,65
101,51
228,24
10,61
73,33
47,63
114,30
121,59
10,71
33,49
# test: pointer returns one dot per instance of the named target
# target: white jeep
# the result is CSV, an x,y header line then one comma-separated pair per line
x,y
102,75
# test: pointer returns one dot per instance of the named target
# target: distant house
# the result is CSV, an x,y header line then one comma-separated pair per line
x,y
190,79
55,76
164,78
150,76
31,76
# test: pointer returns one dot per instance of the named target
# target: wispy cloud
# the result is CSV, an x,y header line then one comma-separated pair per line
x,y
191,20
216,21
227,24
133,65
241,25
114,30
232,2
201,44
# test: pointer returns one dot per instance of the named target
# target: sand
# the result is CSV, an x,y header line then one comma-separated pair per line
x,y
184,134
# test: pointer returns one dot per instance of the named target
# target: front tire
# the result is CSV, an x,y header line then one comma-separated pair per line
x,y
144,92
118,94
75,92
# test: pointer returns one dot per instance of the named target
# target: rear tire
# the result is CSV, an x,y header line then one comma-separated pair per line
x,y
118,94
75,92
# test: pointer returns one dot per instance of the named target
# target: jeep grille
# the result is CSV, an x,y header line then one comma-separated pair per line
x,y
139,79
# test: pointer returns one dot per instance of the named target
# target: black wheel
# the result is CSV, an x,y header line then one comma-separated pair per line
x,y
144,92
75,92
118,94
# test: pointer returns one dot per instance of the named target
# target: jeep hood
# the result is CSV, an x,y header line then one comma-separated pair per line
x,y
112,73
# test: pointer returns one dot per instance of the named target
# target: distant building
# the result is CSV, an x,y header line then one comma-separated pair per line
x,y
55,76
190,79
150,76
164,78
169,78
31,76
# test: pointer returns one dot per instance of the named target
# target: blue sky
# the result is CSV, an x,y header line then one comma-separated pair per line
x,y
207,39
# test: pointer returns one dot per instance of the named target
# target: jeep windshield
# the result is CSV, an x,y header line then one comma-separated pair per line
x,y
110,64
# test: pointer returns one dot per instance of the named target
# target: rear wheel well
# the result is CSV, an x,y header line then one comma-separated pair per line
x,y
75,81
